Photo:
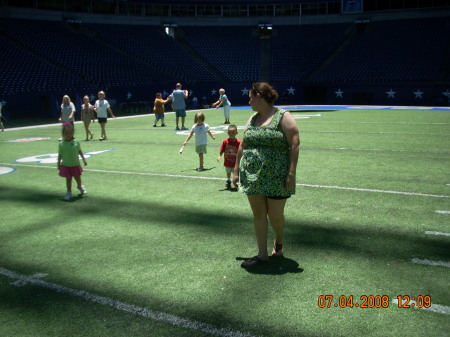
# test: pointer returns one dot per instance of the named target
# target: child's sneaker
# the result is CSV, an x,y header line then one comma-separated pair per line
x,y
82,189
228,186
68,196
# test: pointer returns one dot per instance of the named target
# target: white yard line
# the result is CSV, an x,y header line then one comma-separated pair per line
x,y
442,212
376,191
431,263
215,178
378,133
437,233
438,308
35,280
373,150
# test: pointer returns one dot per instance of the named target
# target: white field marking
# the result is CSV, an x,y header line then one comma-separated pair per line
x,y
442,212
6,170
440,309
379,133
57,123
376,191
35,280
375,150
297,116
215,178
437,233
431,263
393,123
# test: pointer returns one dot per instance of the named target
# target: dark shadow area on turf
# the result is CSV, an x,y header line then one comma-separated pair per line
x,y
373,243
299,233
66,315
195,170
75,197
317,110
229,190
277,265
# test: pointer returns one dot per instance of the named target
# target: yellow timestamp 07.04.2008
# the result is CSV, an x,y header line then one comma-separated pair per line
x,y
373,301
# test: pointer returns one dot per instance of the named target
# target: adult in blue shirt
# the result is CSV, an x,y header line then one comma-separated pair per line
x,y
178,97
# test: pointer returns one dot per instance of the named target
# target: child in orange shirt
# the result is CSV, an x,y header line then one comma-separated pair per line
x,y
158,109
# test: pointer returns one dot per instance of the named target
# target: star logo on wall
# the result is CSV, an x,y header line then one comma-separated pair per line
x,y
391,93
339,93
418,94
129,95
92,97
213,92
245,91
446,93
291,90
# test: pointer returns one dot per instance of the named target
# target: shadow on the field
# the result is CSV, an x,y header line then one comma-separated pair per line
x,y
229,190
278,265
184,236
205,169
317,110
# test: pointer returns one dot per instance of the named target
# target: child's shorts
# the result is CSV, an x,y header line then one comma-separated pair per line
x,y
102,120
69,172
229,169
159,116
200,148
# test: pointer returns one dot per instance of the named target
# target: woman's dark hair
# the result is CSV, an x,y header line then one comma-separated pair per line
x,y
265,90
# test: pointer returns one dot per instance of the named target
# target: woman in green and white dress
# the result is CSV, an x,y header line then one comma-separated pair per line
x,y
266,167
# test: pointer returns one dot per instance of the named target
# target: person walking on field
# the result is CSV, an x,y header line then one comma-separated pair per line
x,y
158,109
87,115
201,131
102,108
229,150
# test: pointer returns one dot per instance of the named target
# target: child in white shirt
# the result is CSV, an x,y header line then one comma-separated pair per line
x,y
201,131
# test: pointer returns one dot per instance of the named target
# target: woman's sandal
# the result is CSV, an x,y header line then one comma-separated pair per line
x,y
277,249
254,261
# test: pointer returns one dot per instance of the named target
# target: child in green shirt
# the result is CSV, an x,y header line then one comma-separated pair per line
x,y
68,161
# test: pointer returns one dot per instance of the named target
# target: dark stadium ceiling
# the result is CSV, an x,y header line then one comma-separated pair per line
x,y
226,2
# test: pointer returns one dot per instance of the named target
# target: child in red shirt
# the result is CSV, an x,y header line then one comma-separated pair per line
x,y
230,148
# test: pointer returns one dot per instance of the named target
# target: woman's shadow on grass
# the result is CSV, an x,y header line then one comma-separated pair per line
x,y
277,265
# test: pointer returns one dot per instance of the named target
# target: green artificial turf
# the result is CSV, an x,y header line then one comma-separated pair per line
x,y
154,233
